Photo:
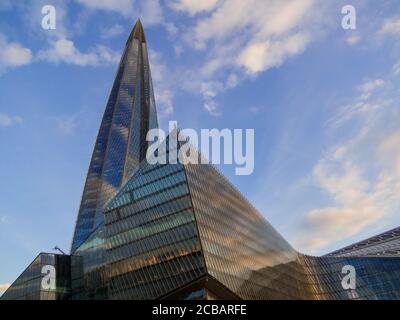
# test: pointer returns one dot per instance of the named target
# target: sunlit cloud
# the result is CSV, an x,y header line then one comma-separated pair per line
x,y
360,176
4,287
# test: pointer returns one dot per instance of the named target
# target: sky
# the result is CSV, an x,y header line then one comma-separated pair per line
x,y
323,101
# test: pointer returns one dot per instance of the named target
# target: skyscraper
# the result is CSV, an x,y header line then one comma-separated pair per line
x,y
120,145
163,231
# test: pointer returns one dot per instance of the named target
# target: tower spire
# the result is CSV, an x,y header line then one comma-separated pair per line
x,y
137,32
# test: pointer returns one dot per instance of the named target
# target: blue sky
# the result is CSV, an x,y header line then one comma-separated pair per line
x,y
324,103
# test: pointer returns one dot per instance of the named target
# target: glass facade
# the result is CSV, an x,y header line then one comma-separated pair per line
x,y
152,241
119,149
121,142
92,252
376,278
386,244
242,250
48,277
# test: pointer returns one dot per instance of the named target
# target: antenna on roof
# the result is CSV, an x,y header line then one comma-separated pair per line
x,y
58,249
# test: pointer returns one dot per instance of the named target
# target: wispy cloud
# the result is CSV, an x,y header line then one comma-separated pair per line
x,y
390,26
358,201
124,7
361,105
150,11
368,87
237,39
64,50
193,7
113,31
163,86
9,120
67,124
361,175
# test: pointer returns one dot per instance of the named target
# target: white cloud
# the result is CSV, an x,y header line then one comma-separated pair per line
x,y
261,56
193,6
359,202
8,120
152,13
236,17
124,7
246,38
391,26
209,91
149,11
369,86
165,99
162,84
232,81
362,105
67,124
64,50
13,54
113,31
107,55
211,107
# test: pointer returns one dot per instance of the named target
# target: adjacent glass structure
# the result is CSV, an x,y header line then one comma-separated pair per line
x,y
386,244
48,277
175,231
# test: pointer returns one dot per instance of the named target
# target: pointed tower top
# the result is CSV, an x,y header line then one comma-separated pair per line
x,y
137,32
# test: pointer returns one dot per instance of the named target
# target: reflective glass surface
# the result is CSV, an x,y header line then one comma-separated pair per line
x,y
35,283
152,241
375,278
386,244
121,143
242,251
